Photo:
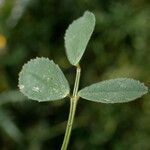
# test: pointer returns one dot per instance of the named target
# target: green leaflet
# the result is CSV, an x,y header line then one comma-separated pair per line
x,y
43,80
77,36
114,91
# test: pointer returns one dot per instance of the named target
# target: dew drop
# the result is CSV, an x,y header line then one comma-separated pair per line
x,y
107,100
123,86
36,89
55,90
48,79
21,87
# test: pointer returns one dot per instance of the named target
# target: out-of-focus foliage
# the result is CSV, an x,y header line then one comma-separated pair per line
x,y
119,47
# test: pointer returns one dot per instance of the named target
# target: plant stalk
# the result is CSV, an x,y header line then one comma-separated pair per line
x,y
73,105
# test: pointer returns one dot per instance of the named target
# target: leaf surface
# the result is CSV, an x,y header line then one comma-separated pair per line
x,y
42,80
114,91
78,35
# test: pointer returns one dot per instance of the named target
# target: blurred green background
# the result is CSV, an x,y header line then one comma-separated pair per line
x,y
119,47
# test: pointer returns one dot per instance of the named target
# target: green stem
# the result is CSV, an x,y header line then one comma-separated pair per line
x,y
73,105
77,80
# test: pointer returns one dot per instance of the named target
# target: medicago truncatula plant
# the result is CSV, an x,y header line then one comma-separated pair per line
x,y
42,80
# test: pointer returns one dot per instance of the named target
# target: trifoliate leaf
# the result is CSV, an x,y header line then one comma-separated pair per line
x,y
43,80
77,36
114,91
